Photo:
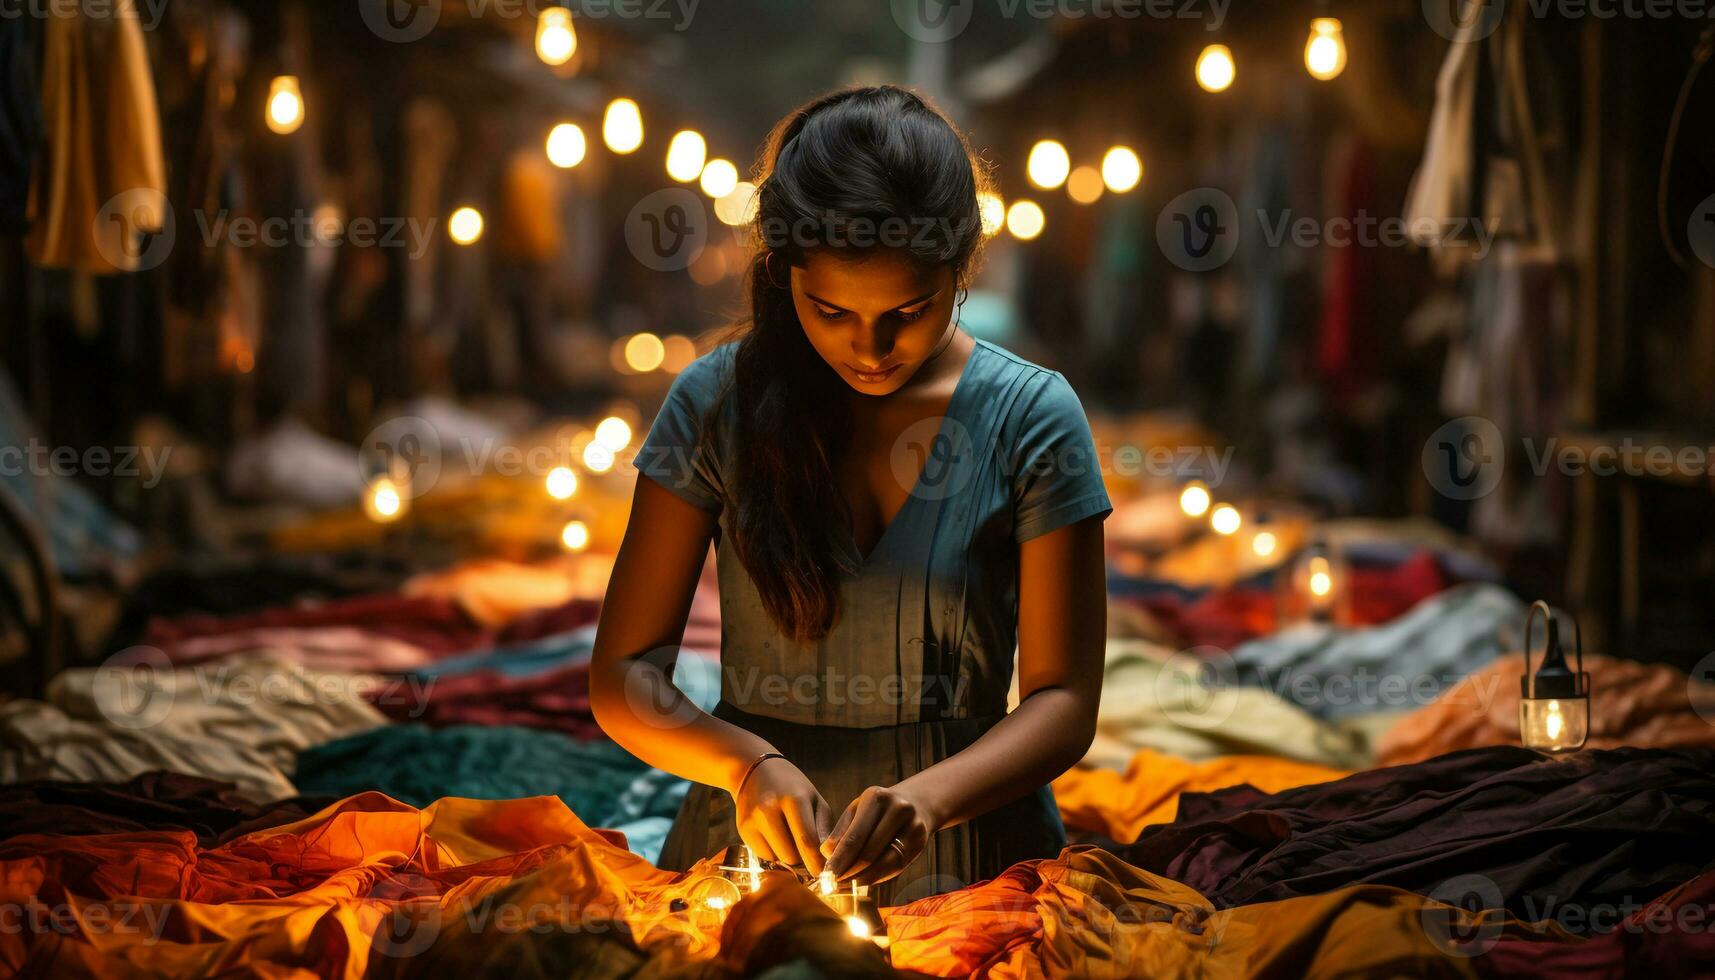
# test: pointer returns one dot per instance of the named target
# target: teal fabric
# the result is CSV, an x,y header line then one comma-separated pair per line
x,y
920,661
602,783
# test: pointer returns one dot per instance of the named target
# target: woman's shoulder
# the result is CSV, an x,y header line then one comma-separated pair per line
x,y
703,381
1040,390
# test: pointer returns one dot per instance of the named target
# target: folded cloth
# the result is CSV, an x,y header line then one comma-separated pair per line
x,y
604,784
370,886
243,722
212,810
1652,706
1119,805
1334,673
434,625
1617,826
1175,704
316,647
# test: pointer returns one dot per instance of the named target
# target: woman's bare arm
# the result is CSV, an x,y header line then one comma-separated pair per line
x,y
637,641
1062,625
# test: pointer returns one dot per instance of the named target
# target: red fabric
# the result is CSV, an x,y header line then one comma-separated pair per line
x,y
556,700
437,625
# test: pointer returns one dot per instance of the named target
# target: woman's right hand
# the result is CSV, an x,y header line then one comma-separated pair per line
x,y
782,816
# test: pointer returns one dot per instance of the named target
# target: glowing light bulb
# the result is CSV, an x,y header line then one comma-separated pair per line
x,y
1121,169
1321,582
993,212
1025,220
562,483
575,536
1263,544
1225,520
1048,164
678,351
566,146
738,206
644,352
719,178
1085,185
597,458
465,225
1215,68
1325,51
1194,500
384,502
556,39
613,433
285,111
1554,723
686,154
622,126
859,927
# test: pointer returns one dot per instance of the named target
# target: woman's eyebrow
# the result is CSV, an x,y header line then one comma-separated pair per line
x,y
910,302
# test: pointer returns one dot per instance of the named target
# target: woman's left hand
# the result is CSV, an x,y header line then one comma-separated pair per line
x,y
862,842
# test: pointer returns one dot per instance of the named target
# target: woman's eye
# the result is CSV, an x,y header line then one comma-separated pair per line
x,y
908,316
830,314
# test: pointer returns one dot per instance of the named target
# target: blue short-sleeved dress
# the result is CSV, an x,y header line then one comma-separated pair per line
x,y
920,661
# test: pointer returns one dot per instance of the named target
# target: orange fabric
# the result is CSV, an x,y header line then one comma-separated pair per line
x,y
495,592
1119,805
1643,705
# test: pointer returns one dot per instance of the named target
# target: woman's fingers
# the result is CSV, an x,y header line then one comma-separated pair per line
x,y
801,822
757,841
894,821
860,820
779,836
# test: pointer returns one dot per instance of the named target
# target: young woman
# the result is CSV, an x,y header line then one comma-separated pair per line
x,y
896,506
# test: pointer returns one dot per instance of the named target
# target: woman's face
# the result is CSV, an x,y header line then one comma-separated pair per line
x,y
875,317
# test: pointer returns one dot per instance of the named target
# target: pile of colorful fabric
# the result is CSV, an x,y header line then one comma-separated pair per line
x,y
411,782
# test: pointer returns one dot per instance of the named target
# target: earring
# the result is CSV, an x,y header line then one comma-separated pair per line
x,y
768,270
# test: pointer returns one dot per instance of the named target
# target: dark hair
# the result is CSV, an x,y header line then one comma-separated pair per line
x,y
862,168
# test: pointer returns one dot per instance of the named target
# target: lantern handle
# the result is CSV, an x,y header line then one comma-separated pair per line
x,y
1547,639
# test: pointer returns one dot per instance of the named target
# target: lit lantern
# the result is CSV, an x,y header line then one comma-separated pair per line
x,y
575,536
556,39
464,226
1194,500
1216,69
1317,589
285,111
1554,703
1263,544
1325,52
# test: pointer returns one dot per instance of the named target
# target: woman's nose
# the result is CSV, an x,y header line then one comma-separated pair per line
x,y
872,344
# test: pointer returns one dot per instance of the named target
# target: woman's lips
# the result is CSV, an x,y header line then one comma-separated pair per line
x,y
873,377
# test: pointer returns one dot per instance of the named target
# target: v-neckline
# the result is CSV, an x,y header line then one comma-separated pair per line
x,y
864,561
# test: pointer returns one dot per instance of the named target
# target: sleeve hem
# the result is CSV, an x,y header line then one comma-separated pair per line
x,y
1070,512
700,501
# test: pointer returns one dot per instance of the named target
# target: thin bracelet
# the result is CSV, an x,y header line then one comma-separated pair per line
x,y
759,760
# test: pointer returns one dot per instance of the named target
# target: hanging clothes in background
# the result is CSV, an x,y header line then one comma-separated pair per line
x,y
20,122
1265,192
1346,348
103,141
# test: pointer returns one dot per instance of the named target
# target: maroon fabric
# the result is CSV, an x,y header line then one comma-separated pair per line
x,y
436,625
557,700
1672,936
564,618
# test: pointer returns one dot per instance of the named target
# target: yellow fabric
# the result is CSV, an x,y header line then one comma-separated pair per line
x,y
1119,805
103,143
